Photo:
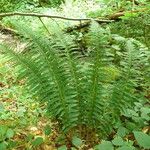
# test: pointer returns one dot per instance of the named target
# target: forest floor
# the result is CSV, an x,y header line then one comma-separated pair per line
x,y
26,120
19,112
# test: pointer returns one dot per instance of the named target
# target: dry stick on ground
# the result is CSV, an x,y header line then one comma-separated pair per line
x,y
120,14
51,16
113,17
86,22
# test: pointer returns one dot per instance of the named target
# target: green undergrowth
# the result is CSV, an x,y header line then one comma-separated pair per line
x,y
129,124
87,89
22,124
20,115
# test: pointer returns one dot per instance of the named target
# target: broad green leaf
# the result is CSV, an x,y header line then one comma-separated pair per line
x,y
38,141
76,141
47,130
3,146
3,130
126,148
128,143
142,139
122,131
10,133
118,141
105,145
62,147
145,113
131,126
12,144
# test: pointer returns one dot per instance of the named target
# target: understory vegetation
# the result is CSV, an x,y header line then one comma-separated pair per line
x,y
81,83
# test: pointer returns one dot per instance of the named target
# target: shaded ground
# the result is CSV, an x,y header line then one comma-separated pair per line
x,y
19,112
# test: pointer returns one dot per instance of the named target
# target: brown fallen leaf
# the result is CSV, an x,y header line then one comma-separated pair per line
x,y
35,131
146,129
49,147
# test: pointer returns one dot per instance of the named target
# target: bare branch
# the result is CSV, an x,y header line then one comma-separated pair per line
x,y
52,16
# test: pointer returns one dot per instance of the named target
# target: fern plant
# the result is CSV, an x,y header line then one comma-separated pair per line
x,y
77,90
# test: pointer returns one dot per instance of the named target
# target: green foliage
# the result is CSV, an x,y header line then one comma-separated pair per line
x,y
9,5
6,6
142,139
15,5
93,94
77,141
47,130
136,26
18,111
138,118
38,141
62,147
105,145
3,146
5,134
126,148
109,7
116,144
117,141
122,131
95,14
15,101
68,84
52,3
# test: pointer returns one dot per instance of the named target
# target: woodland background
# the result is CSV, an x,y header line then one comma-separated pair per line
x,y
77,78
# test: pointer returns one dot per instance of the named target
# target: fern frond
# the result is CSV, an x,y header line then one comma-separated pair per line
x,y
95,101
81,92
68,45
49,65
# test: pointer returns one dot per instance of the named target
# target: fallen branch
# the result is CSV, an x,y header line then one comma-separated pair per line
x,y
51,16
120,14
111,18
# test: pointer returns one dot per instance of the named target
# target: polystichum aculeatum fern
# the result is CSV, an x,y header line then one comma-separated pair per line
x,y
79,92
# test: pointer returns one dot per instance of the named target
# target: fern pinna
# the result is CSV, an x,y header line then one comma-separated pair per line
x,y
78,92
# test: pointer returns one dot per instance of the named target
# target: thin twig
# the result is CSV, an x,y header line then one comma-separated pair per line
x,y
51,16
